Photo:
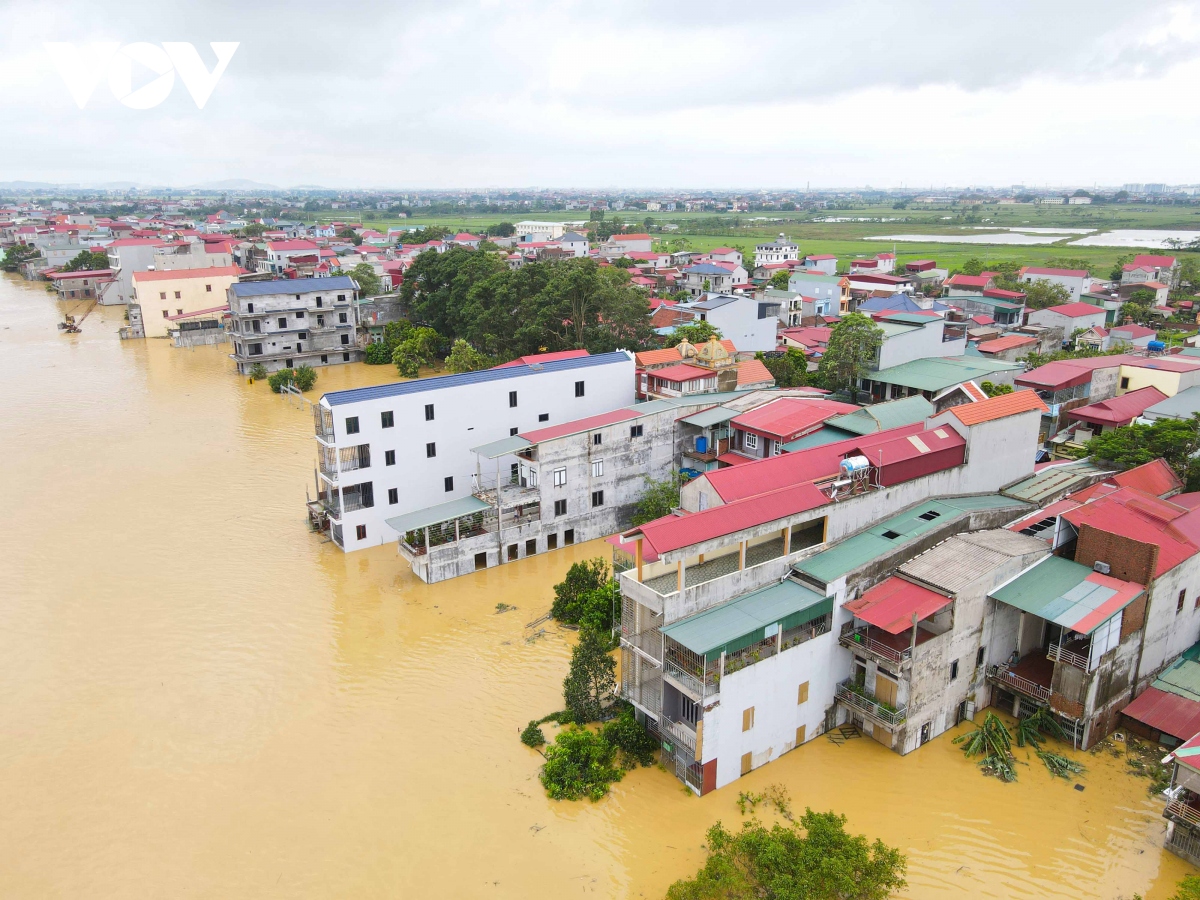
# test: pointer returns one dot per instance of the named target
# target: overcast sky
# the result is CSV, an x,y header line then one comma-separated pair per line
x,y
621,94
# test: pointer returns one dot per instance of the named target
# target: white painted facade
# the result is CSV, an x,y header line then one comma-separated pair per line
x,y
778,251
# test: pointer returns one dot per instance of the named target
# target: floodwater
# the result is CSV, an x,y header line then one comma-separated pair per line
x,y
1133,237
201,699
999,237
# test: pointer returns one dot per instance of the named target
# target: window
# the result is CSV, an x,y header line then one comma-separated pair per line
x,y
179,312
979,657
166,313
512,552
544,417
430,450
299,314
324,359
512,398
387,419
1182,599
177,295
568,537
560,507
800,735
345,339
802,694
360,532
747,718
512,432
578,384
531,547
428,412
393,496
746,763
341,298
389,457
953,669
597,440
281,322
597,498
162,295
304,335
750,441
552,542
352,425
481,560
208,288
255,350
249,306
449,483
342,318
559,477
345,357
635,431
320,303
320,321
597,468
929,516
256,326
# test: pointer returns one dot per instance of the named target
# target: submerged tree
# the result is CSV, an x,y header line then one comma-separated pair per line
x,y
591,683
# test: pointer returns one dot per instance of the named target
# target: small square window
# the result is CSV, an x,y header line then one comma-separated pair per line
x,y
597,498
299,314
635,431
345,357
281,322
177,295
324,359
512,398
208,288
345,339
512,552
387,419
579,389
512,432
389,457
428,412
531,547
166,314
552,542
162,295
360,531
430,450
449,483
750,441
891,535
179,312
560,507
544,417
597,440
352,425
568,537
341,298
953,670
393,496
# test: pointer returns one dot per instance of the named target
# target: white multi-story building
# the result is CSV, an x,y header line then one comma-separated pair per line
x,y
394,449
540,231
1076,281
778,251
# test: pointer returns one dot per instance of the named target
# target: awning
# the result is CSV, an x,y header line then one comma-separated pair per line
x,y
1164,711
733,459
1068,594
503,447
750,619
431,515
199,312
706,418
892,603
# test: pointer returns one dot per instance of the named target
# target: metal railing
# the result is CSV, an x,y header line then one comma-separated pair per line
x,y
323,422
703,688
860,639
1058,654
865,703
1005,677
1181,811
680,732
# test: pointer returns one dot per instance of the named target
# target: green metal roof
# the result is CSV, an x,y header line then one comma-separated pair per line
x,y
652,406
882,416
1039,589
502,447
749,619
709,417
819,279
431,515
850,554
1190,351
939,373
1182,677
892,328
818,438
909,318
993,302
1054,481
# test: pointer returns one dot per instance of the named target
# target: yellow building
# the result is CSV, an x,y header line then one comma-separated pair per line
x,y
169,297
1168,374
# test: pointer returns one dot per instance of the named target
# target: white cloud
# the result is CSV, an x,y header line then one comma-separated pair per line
x,y
624,94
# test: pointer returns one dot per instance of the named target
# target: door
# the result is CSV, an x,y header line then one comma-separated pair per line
x,y
886,689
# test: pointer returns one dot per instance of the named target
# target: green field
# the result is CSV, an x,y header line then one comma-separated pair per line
x,y
847,240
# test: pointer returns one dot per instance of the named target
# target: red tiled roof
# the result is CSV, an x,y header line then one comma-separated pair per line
x,y
199,312
983,320
1141,517
999,294
590,423
1119,410
173,274
974,391
684,372
1146,259
1007,342
1075,310
999,407
980,281
788,417
80,273
753,371
673,532
542,358
292,245
893,602
1165,711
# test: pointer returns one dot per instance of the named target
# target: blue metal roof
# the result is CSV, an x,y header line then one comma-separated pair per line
x,y
438,382
292,286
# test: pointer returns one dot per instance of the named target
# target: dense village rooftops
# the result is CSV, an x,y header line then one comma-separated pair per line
x,y
749,619
1068,594
939,373
882,416
292,286
999,407
1008,342
440,382
787,417
886,536
1055,480
1145,518
894,602
542,358
1121,410
176,274
1154,477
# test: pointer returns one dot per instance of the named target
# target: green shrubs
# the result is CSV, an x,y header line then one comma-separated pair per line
x,y
303,378
588,597
632,741
258,371
532,736
579,764
377,354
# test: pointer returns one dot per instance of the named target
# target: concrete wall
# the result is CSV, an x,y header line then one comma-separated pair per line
x,y
1167,633
158,301
920,343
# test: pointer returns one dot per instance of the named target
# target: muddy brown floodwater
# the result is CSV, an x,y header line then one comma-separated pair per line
x,y
199,698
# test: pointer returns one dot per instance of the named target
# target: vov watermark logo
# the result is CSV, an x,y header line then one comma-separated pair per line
x,y
83,67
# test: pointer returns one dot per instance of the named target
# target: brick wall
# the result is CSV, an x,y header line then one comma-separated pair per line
x,y
1130,560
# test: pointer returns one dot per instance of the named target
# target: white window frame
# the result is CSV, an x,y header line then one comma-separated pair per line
x,y
560,477
597,468
750,440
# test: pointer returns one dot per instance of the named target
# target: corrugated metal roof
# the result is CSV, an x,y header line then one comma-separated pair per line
x,y
431,515
1055,480
1119,410
882,416
961,560
1181,406
893,602
939,373
748,616
1068,594
578,426
502,447
438,382
1183,678
709,417
818,438
292,286
1168,712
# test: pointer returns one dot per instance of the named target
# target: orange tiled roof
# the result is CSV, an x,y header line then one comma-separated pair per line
x,y
752,371
999,407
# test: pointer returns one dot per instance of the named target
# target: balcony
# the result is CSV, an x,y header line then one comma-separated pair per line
x,y
895,649
855,697
1074,653
1183,812
1031,677
323,422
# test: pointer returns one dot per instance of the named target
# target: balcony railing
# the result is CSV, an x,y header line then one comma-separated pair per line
x,y
854,696
860,639
323,422
1061,654
1005,677
1182,812
680,732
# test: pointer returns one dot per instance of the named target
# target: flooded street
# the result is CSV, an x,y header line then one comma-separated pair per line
x,y
202,699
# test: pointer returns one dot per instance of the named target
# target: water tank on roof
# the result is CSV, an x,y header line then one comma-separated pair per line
x,y
855,465
1156,346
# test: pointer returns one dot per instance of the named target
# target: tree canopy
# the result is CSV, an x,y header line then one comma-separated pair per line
x,y
789,370
368,282
697,333
659,498
591,683
853,343
1175,440
86,261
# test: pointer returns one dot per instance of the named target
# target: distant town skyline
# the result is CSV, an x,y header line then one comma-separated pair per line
x,y
429,96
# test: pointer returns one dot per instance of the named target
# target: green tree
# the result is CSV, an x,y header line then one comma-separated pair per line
x,y
789,370
305,378
253,230
349,234
853,343
579,764
658,499
582,579
378,354
368,282
995,390
697,333
591,682
1118,267
631,740
17,254
814,859
1040,293
973,266
420,348
87,261
465,358
1174,440
1187,889
502,229
779,280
